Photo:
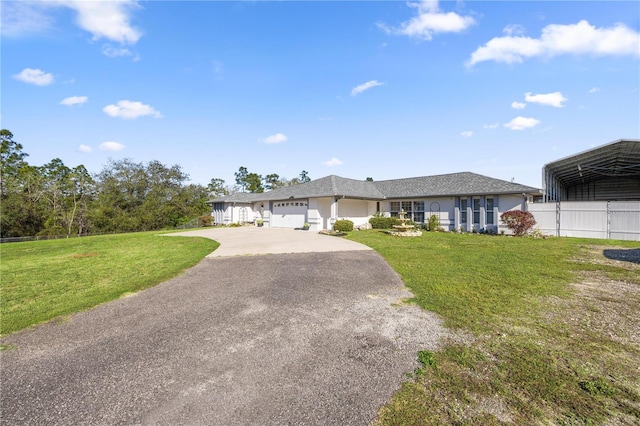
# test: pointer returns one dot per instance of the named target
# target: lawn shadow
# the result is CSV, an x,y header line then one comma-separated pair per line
x,y
625,255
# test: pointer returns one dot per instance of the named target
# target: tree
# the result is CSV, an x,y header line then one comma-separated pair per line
x,y
217,188
304,177
369,179
272,181
57,187
82,193
11,158
253,183
519,222
22,208
241,178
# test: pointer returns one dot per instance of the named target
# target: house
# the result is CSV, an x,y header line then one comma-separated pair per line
x,y
459,200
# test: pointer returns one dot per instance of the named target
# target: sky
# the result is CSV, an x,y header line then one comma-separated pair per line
x,y
380,89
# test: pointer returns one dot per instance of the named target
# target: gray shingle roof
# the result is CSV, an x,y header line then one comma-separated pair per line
x,y
465,183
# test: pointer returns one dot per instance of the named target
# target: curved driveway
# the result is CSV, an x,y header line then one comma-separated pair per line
x,y
301,338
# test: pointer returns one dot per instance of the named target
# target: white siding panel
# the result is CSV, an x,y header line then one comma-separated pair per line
x,y
618,220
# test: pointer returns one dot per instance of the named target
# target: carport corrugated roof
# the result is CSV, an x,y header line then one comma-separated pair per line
x,y
620,158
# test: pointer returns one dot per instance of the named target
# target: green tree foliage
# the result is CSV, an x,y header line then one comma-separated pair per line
x,y
138,197
21,188
254,183
272,181
55,199
217,188
304,177
241,178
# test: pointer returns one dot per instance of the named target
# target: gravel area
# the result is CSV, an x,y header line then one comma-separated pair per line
x,y
310,338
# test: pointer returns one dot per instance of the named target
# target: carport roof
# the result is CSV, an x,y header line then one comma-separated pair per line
x,y
620,158
454,184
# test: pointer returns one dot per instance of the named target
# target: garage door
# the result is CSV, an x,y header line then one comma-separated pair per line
x,y
289,214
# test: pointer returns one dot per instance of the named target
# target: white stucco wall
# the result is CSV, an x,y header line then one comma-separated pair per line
x,y
324,212
357,211
241,212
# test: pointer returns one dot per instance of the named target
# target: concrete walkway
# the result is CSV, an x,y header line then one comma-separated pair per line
x,y
251,240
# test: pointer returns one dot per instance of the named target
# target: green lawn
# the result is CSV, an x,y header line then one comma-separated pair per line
x,y
43,280
537,354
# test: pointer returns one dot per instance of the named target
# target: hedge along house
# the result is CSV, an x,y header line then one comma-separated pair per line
x,y
467,201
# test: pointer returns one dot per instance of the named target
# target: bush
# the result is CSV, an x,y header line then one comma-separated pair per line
x,y
381,222
434,223
343,225
206,220
519,222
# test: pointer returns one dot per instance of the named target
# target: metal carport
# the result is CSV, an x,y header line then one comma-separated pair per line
x,y
609,172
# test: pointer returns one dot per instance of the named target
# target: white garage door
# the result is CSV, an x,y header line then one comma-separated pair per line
x,y
289,214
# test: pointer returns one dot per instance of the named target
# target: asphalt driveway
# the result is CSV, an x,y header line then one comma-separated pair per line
x,y
302,338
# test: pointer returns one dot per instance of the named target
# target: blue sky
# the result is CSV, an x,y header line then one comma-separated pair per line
x,y
382,89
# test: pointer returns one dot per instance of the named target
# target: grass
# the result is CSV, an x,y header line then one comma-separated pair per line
x,y
43,280
535,355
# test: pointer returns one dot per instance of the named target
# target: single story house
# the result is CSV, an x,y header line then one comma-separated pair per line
x,y
460,200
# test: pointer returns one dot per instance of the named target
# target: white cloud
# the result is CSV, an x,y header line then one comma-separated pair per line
x,y
365,86
130,109
491,126
430,20
466,134
333,162
118,52
106,19
86,148
594,90
110,20
21,18
555,99
518,105
273,139
34,76
573,39
74,100
521,123
111,146
514,29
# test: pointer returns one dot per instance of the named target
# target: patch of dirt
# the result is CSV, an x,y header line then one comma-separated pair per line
x,y
601,304
83,255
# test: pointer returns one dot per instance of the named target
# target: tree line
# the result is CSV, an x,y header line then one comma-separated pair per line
x,y
125,196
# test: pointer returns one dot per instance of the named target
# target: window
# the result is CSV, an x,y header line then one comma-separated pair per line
x,y
394,208
476,210
489,211
463,210
418,211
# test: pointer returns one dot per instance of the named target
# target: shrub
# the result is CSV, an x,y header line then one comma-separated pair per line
x,y
381,222
206,220
519,222
343,225
434,223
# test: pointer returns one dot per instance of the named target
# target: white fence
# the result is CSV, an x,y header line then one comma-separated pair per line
x,y
618,220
